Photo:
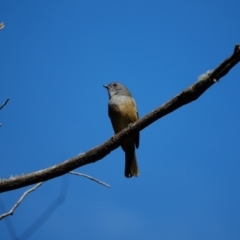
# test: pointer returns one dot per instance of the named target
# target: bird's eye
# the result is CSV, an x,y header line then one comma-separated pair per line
x,y
114,84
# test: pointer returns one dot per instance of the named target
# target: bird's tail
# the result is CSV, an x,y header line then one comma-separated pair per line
x,y
131,166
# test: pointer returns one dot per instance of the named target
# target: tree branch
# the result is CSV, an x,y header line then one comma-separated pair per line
x,y
19,201
91,178
6,100
188,95
4,104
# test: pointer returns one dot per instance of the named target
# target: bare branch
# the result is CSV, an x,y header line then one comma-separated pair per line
x,y
47,213
6,100
4,104
188,95
19,201
91,178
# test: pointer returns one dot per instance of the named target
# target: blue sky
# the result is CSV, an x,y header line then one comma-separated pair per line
x,y
55,57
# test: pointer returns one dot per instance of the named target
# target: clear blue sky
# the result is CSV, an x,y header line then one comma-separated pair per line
x,y
55,57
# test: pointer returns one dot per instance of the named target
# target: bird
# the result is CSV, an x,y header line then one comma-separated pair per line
x,y
122,111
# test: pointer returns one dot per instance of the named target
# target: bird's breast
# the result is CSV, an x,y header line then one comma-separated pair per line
x,y
122,111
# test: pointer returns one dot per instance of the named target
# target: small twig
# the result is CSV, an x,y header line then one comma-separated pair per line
x,y
45,214
91,178
19,201
6,100
4,104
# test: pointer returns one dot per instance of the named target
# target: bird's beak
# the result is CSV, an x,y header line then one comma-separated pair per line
x,y
106,86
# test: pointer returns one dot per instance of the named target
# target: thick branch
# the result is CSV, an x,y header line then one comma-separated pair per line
x,y
190,94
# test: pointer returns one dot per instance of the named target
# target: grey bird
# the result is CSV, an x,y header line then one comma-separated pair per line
x,y
122,111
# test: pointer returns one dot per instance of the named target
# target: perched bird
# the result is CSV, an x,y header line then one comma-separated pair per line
x,y
122,111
